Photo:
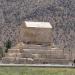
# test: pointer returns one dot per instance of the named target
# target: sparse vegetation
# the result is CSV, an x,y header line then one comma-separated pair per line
x,y
1,52
36,71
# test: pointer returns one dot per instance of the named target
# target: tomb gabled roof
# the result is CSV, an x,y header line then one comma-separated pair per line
x,y
38,24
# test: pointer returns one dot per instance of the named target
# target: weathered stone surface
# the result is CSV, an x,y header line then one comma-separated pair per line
x,y
37,32
43,55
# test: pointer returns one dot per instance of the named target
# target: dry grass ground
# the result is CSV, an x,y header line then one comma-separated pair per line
x,y
36,71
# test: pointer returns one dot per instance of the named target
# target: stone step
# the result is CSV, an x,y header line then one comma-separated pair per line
x,y
34,46
14,51
41,50
16,60
19,55
33,49
34,61
13,54
24,61
53,61
35,55
30,46
54,49
7,60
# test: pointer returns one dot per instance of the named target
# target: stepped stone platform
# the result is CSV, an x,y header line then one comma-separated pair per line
x,y
35,54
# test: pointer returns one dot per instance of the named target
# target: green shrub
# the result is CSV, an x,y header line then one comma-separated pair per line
x,y
1,52
7,45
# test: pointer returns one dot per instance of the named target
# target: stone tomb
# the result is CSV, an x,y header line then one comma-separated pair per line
x,y
36,32
35,46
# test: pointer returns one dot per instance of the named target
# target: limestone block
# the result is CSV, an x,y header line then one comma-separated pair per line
x,y
36,32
